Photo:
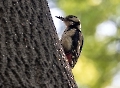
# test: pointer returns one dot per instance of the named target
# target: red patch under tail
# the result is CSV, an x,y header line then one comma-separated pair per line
x,y
69,57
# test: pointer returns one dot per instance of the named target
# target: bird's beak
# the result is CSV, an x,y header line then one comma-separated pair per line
x,y
61,18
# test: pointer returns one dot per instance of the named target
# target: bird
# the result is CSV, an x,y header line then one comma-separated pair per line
x,y
72,38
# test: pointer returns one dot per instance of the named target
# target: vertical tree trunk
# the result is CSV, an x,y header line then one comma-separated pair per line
x,y
30,52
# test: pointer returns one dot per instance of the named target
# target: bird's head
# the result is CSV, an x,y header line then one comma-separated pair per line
x,y
70,20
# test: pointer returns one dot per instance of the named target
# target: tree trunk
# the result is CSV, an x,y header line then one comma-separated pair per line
x,y
30,53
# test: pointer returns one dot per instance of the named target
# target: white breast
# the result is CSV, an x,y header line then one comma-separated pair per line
x,y
66,39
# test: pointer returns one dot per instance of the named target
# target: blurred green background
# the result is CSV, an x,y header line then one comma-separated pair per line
x,y
99,63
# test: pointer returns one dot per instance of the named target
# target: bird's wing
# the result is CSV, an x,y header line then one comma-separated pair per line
x,y
77,47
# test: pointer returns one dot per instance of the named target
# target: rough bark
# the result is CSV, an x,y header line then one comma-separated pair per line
x,y
30,53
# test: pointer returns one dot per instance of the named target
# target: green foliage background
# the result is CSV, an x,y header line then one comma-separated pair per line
x,y
95,66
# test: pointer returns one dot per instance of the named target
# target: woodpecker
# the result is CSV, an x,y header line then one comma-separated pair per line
x,y
72,38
